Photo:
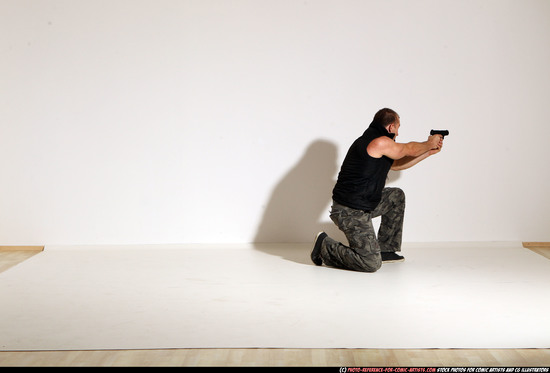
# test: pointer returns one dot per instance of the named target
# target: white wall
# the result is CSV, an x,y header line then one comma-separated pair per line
x,y
184,121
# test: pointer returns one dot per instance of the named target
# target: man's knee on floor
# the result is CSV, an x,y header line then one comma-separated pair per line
x,y
371,263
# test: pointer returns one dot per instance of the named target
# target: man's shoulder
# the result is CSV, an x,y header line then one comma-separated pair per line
x,y
376,148
381,141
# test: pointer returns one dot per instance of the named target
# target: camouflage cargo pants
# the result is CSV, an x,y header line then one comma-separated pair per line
x,y
363,252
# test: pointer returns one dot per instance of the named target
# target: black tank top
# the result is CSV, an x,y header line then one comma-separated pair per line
x,y
362,177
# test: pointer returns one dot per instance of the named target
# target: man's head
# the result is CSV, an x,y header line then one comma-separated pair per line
x,y
389,119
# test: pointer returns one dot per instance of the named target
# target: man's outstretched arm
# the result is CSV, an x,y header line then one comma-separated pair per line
x,y
405,155
409,161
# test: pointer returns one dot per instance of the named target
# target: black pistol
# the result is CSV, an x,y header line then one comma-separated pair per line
x,y
443,133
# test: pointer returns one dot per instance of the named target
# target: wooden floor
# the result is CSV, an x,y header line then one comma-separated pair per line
x,y
272,357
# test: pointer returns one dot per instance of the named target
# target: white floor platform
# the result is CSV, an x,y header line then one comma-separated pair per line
x,y
149,297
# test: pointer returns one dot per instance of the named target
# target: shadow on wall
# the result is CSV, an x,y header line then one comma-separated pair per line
x,y
300,203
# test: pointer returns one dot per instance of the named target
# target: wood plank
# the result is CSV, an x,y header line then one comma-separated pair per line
x,y
544,251
280,357
21,248
10,259
530,245
541,248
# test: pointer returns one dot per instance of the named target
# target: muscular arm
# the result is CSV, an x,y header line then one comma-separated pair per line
x,y
408,161
404,155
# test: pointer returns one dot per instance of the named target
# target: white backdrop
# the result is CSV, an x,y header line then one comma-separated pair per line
x,y
209,121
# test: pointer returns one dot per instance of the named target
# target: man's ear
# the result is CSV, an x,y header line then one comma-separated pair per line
x,y
390,128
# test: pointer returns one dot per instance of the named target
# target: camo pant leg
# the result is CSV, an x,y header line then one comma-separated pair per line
x,y
363,254
392,210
